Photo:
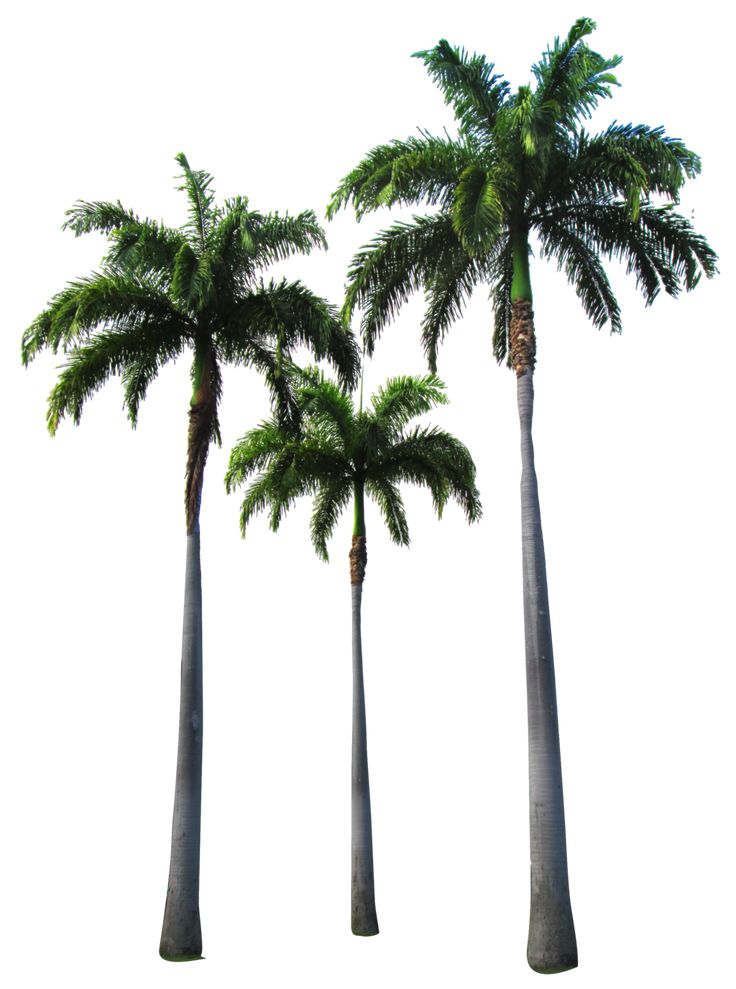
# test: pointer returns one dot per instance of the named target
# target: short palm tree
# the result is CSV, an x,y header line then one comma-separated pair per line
x,y
161,292
522,171
340,455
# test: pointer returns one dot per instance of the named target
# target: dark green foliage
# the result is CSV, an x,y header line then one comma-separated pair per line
x,y
337,450
160,292
522,164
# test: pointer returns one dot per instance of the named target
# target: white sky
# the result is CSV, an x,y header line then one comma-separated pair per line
x,y
633,439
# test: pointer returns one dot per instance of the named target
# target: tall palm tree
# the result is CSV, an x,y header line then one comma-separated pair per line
x,y
341,454
161,292
523,171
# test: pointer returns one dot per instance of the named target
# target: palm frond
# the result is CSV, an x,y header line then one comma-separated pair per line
x,y
469,84
404,398
102,301
585,272
291,315
388,498
419,169
331,500
396,263
106,354
201,201
501,273
571,78
477,212
275,237
432,457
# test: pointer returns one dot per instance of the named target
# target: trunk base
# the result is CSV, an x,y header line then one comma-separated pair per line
x,y
552,946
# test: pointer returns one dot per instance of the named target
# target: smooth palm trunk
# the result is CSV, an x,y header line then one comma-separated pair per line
x,y
363,902
181,937
552,946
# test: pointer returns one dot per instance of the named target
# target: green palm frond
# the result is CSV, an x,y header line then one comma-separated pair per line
x,y
584,272
477,212
276,237
469,85
419,169
331,408
394,265
330,501
432,457
107,354
571,78
135,246
293,316
106,301
500,276
387,496
402,399
201,201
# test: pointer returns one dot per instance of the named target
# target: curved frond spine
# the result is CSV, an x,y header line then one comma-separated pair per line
x,y
469,84
423,169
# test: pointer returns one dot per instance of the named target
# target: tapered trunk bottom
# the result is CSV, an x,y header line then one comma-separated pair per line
x,y
364,922
552,946
181,938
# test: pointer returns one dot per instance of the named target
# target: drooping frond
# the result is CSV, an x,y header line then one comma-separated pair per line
x,y
626,160
660,248
136,246
331,500
446,295
291,315
469,85
420,169
500,275
396,263
584,272
433,458
276,368
387,496
477,210
107,353
101,301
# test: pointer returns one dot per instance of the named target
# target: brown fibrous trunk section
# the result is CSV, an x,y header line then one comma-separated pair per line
x,y
523,342
200,434
358,560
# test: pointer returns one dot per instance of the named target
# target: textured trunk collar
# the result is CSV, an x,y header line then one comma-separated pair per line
x,y
358,559
523,342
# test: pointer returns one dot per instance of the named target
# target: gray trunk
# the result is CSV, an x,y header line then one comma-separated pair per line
x,y
181,937
363,903
552,946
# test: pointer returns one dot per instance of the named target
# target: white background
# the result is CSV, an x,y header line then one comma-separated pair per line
x,y
634,439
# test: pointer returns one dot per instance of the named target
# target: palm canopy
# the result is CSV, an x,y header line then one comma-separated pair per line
x,y
522,164
162,291
340,453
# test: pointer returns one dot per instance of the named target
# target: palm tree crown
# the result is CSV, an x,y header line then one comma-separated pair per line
x,y
161,291
522,164
341,453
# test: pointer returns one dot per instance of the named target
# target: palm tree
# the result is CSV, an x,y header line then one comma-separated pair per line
x,y
338,455
159,293
524,167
